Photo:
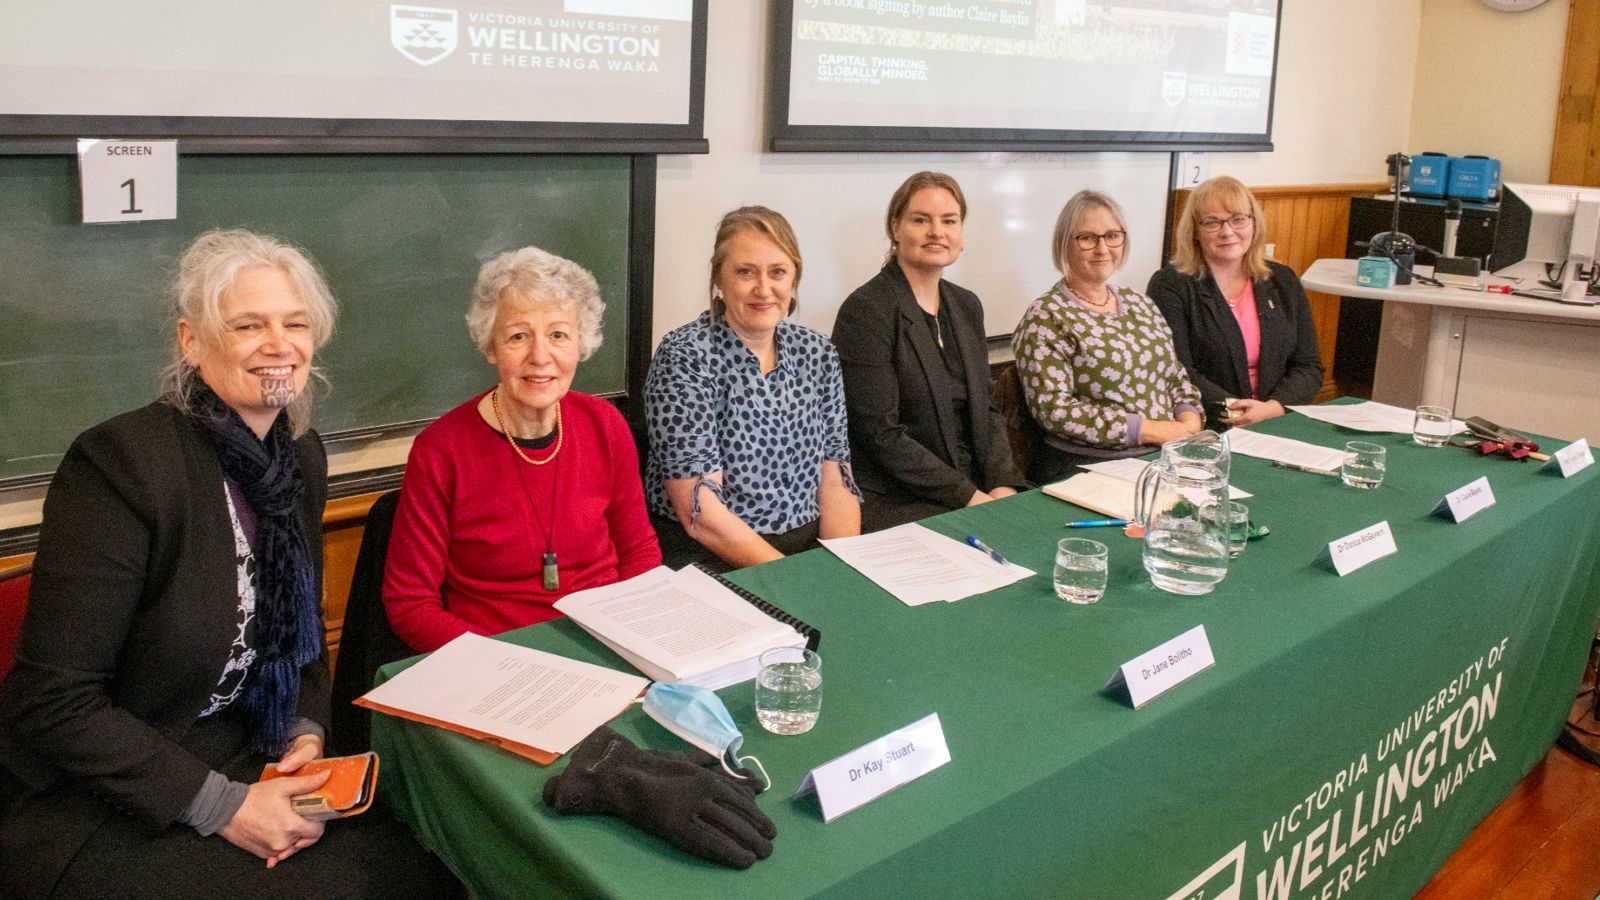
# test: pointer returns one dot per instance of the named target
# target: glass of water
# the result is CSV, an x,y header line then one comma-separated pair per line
x,y
1432,426
1232,519
789,690
1364,463
1080,575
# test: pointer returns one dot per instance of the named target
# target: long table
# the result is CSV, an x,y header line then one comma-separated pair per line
x,y
1352,733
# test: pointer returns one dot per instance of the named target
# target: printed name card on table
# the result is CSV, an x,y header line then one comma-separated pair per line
x,y
1571,459
869,772
1461,505
1353,551
1157,671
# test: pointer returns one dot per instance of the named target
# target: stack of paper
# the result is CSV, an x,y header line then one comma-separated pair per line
x,y
680,626
1369,416
532,703
1285,450
921,566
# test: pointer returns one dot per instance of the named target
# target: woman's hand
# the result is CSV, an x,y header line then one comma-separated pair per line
x,y
1158,431
302,750
995,494
1249,412
267,825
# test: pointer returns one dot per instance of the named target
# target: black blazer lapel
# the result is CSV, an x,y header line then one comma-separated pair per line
x,y
914,331
1223,323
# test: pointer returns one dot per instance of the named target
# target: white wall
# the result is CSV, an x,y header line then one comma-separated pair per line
x,y
1344,99
1488,83
1346,80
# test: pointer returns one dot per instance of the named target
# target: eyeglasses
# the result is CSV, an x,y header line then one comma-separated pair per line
x,y
1087,241
1237,222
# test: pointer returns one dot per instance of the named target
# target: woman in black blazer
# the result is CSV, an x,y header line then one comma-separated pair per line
x,y
924,431
1241,324
173,643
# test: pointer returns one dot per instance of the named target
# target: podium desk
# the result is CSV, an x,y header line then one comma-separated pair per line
x,y
1532,365
1352,733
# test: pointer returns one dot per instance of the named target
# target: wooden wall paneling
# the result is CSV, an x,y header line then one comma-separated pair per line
x,y
1307,223
1575,154
343,523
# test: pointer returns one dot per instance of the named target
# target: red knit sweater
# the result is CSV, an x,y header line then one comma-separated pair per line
x,y
467,548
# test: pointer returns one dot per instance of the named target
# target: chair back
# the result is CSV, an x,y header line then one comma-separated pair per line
x,y
1021,430
14,584
366,641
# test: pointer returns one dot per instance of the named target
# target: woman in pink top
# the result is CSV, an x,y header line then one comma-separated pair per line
x,y
528,491
1241,323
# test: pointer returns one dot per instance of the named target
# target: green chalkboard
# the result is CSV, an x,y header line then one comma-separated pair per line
x,y
84,324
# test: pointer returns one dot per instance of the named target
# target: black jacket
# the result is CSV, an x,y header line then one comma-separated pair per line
x,y
132,611
903,429
1210,345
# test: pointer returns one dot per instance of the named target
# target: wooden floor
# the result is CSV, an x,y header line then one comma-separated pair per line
x,y
1542,842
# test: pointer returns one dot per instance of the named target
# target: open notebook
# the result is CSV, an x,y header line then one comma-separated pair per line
x,y
686,626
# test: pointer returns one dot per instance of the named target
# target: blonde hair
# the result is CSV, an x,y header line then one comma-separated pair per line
x,y
207,270
763,221
536,276
907,190
1072,215
1228,193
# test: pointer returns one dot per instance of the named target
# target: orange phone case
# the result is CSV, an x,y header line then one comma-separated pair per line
x,y
348,791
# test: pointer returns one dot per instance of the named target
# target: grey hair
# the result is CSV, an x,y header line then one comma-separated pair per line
x,y
207,270
1072,215
540,277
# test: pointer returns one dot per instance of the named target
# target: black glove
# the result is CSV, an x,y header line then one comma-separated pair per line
x,y
696,810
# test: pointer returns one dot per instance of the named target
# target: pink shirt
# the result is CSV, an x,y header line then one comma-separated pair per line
x,y
1244,312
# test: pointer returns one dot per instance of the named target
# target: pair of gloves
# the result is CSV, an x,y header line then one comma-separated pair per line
x,y
695,808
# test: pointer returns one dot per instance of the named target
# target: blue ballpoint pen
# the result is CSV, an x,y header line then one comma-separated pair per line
x,y
993,553
1098,523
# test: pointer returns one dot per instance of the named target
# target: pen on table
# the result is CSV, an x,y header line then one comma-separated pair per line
x,y
1298,468
993,553
1098,523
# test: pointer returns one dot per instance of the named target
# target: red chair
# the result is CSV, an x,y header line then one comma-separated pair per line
x,y
13,601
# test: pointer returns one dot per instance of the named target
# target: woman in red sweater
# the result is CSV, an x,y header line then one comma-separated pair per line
x,y
524,493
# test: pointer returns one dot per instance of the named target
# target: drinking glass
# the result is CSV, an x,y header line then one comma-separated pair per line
x,y
1233,520
1432,426
1080,575
789,690
1364,463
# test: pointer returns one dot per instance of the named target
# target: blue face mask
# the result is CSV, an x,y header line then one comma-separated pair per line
x,y
698,716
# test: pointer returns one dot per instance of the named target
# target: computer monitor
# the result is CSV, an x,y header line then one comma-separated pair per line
x,y
1549,233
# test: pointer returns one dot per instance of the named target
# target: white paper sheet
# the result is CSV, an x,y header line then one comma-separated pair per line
x,y
1369,416
528,696
920,566
1280,449
680,626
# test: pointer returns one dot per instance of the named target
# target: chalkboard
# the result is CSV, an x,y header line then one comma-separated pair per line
x,y
84,321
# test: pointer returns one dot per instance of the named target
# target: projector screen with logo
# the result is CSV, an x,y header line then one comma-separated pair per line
x,y
1023,74
612,75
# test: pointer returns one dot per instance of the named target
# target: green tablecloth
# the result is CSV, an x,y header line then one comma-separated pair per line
x,y
1425,685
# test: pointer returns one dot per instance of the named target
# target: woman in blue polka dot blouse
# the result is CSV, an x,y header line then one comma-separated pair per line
x,y
749,446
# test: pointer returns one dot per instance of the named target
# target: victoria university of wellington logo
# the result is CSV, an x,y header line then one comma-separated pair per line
x,y
422,34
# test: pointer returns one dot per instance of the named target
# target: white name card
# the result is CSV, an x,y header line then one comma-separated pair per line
x,y
869,772
128,181
1572,459
1157,671
1466,502
1353,551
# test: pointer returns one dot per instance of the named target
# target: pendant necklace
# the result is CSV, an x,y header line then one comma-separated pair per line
x,y
549,569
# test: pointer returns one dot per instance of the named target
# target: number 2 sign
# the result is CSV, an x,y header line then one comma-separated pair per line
x,y
128,181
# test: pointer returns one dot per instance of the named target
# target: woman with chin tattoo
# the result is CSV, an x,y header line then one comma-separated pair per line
x,y
529,490
173,644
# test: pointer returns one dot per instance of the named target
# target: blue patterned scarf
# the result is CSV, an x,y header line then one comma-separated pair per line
x,y
288,620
